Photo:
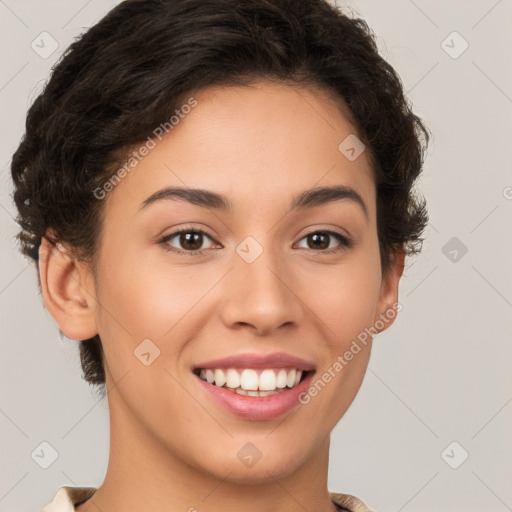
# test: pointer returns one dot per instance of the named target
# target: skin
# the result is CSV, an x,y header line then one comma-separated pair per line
x,y
172,447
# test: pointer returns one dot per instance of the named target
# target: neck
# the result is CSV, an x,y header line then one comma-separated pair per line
x,y
143,474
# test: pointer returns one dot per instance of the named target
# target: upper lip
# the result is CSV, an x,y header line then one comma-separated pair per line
x,y
276,360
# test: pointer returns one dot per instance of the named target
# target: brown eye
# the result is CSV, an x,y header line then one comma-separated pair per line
x,y
319,241
190,241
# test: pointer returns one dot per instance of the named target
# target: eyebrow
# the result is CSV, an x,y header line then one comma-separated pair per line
x,y
207,199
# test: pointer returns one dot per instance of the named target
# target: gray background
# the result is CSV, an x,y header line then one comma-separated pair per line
x,y
440,374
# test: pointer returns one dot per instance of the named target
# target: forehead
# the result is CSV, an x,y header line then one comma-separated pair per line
x,y
253,142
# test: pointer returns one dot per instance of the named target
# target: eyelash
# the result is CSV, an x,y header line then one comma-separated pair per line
x,y
345,242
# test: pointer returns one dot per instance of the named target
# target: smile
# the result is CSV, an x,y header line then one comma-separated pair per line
x,y
254,394
250,381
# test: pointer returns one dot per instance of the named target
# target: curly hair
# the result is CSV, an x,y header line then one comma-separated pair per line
x,y
130,71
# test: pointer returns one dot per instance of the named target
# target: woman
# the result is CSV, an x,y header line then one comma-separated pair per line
x,y
218,196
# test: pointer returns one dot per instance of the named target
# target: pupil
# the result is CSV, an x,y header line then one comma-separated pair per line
x,y
187,236
315,237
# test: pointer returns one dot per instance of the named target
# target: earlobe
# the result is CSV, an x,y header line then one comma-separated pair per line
x,y
388,305
68,291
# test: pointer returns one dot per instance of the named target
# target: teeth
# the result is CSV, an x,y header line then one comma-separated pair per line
x,y
291,378
220,378
249,383
248,380
232,379
267,380
282,379
241,391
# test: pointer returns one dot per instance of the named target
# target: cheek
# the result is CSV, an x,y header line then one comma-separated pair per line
x,y
345,297
146,298
143,296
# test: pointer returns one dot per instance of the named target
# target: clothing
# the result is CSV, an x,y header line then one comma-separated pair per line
x,y
67,497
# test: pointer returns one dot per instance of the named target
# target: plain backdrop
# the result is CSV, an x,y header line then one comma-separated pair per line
x,y
430,427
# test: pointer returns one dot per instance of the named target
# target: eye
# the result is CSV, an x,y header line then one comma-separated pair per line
x,y
320,241
190,239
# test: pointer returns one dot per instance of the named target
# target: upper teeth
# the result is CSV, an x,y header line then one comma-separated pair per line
x,y
248,379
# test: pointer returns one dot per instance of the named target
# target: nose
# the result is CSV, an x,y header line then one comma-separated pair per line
x,y
261,295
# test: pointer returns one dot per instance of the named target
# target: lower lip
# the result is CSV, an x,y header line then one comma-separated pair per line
x,y
257,407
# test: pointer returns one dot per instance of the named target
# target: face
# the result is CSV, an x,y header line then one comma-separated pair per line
x,y
258,278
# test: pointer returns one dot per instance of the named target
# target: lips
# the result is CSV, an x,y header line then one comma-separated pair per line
x,y
258,361
248,400
255,406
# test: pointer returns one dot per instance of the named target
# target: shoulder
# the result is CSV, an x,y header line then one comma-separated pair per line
x,y
67,497
349,503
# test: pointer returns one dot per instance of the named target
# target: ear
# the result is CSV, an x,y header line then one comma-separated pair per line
x,y
388,305
68,291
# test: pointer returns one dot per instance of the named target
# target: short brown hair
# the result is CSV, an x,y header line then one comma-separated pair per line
x,y
130,71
